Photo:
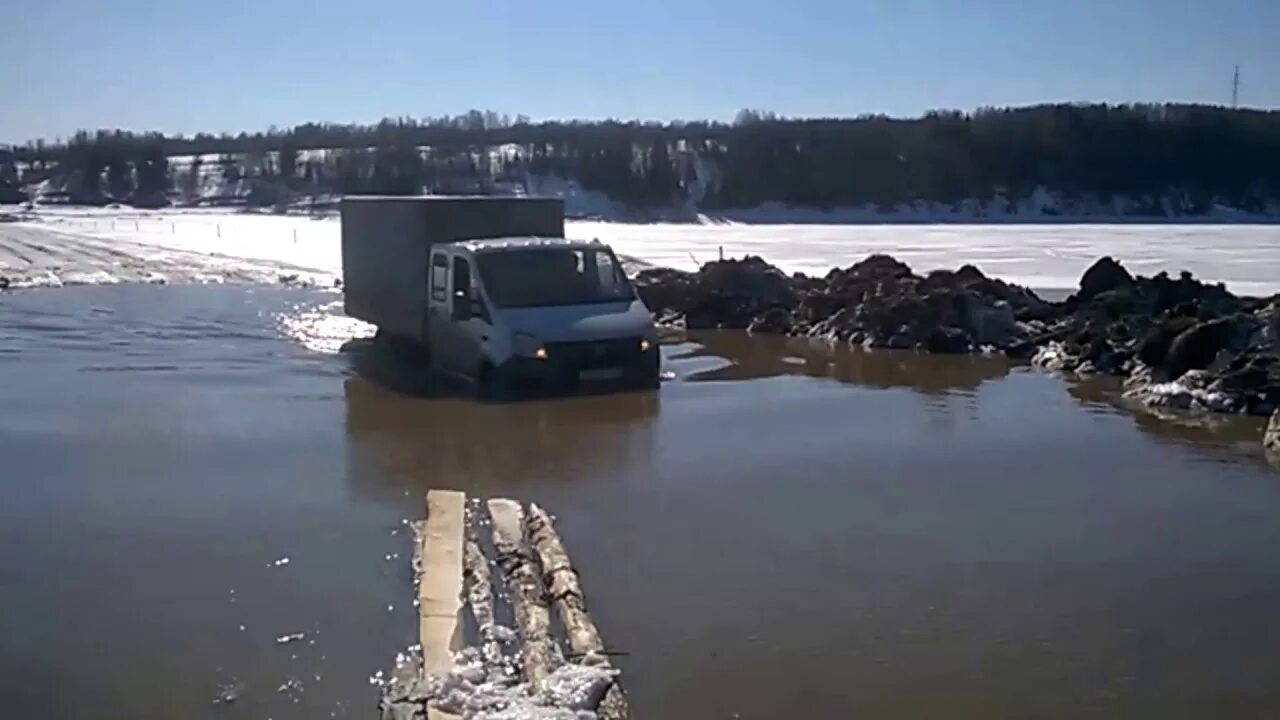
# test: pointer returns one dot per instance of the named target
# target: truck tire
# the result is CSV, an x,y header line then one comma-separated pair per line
x,y
403,349
492,384
651,381
649,377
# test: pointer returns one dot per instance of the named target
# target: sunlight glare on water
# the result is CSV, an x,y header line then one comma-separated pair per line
x,y
322,328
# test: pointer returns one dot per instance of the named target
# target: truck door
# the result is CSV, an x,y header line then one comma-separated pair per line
x,y
468,319
439,302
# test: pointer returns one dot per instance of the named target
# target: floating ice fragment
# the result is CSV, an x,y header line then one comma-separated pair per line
x,y
227,694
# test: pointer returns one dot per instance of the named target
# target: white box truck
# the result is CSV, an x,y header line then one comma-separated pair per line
x,y
494,293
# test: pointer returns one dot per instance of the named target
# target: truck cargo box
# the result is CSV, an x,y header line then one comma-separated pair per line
x,y
386,243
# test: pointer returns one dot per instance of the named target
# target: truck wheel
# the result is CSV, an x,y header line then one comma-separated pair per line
x,y
492,384
649,377
652,381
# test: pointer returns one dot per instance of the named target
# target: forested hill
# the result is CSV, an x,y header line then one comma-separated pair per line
x,y
1157,160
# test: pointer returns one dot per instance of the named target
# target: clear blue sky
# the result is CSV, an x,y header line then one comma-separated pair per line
x,y
230,65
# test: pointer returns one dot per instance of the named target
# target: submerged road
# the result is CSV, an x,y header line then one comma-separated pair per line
x,y
784,529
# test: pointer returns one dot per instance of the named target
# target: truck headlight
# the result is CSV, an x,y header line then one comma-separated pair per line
x,y
645,345
529,346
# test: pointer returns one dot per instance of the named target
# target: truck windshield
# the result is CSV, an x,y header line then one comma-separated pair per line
x,y
553,276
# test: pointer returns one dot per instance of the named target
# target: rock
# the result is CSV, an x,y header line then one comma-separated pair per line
x,y
723,294
948,340
665,289
878,267
4,283
1053,356
1196,347
1271,437
1141,377
777,321
1250,373
1269,316
1185,343
897,341
1112,305
1190,296
991,323
1102,356
1154,345
836,328
1104,275
750,278
968,274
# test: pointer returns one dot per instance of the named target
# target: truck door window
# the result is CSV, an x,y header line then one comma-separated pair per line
x,y
461,288
439,277
609,274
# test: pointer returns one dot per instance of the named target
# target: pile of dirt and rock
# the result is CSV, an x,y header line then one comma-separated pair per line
x,y
876,303
1181,343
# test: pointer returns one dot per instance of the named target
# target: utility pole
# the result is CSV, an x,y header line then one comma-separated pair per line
x,y
1235,88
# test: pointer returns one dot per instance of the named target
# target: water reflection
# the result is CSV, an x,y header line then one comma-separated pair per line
x,y
762,356
1238,433
412,443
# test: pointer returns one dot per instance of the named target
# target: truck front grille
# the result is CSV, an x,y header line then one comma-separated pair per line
x,y
588,355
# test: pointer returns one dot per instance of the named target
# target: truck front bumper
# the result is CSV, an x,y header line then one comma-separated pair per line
x,y
565,369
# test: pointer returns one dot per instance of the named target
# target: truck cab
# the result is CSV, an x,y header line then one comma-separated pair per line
x,y
551,311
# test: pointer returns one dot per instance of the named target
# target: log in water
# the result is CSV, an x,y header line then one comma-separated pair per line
x,y
528,595
562,581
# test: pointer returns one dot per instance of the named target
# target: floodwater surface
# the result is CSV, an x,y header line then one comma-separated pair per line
x,y
191,474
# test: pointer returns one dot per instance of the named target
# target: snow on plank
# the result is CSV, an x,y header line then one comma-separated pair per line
x,y
485,668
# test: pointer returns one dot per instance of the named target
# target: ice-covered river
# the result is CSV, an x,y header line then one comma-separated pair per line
x,y
94,245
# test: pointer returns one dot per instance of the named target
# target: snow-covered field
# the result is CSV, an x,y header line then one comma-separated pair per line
x,y
97,245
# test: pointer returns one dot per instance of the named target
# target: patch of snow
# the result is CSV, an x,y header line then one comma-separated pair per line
x,y
89,277
1051,356
1191,392
568,693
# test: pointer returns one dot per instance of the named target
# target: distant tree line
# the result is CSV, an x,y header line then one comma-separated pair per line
x,y
1141,151
10,179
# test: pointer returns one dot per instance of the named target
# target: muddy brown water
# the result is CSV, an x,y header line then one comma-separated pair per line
x,y
781,531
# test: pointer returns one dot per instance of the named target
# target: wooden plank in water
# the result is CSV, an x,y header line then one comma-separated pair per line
x,y
571,604
528,596
440,582
476,577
